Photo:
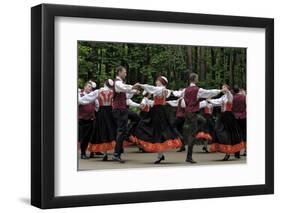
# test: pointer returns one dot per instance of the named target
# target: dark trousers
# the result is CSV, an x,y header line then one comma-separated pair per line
x,y
193,120
178,125
243,127
121,118
134,120
85,133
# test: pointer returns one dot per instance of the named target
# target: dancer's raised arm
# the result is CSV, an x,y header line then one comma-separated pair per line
x,y
204,93
216,102
88,98
131,103
173,103
146,101
203,104
154,90
227,97
120,86
178,93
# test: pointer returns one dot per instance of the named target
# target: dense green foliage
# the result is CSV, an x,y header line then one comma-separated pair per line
x,y
144,62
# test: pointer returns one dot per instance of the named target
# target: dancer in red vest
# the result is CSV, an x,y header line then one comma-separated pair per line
x,y
227,130
239,111
105,131
207,127
120,111
104,139
86,114
192,94
157,135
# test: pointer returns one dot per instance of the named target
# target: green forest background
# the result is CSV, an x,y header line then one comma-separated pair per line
x,y
97,61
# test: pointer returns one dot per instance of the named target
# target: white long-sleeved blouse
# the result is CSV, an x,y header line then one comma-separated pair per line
x,y
175,103
88,98
120,86
223,101
202,93
146,101
131,103
156,90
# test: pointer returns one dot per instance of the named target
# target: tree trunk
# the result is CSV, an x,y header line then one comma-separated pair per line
x,y
231,67
213,63
189,58
202,62
198,51
222,67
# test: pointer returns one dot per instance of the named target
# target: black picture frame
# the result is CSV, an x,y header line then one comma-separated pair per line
x,y
43,105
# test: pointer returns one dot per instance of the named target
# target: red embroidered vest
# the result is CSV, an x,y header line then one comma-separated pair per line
x,y
87,111
239,106
105,97
226,107
119,99
159,100
208,110
190,98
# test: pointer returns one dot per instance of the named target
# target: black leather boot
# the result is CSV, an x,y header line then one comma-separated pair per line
x,y
84,156
105,158
92,155
190,160
159,160
189,154
237,155
226,157
205,149
117,158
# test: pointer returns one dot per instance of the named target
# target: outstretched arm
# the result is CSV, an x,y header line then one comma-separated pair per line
x,y
173,103
131,103
121,87
229,96
152,89
129,95
178,93
88,98
204,93
202,104
216,102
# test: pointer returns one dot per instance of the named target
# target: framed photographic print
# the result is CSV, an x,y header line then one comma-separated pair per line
x,y
136,106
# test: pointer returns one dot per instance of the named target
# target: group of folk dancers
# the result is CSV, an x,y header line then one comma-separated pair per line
x,y
106,124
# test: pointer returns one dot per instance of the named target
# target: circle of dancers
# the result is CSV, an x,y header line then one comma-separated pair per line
x,y
107,124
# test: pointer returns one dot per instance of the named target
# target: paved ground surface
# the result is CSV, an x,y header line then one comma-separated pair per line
x,y
135,159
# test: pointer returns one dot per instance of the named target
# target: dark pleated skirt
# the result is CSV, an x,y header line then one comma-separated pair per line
x,y
155,133
207,131
145,116
85,130
228,135
105,132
